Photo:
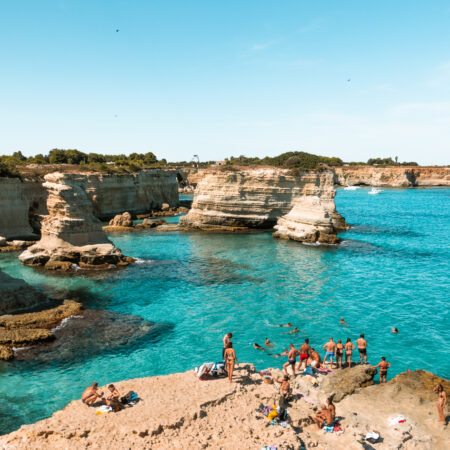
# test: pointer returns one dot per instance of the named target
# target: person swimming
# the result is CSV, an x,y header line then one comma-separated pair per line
x,y
258,347
342,322
277,355
295,330
288,325
394,330
268,343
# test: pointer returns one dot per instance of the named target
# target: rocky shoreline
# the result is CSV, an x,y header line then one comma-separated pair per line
x,y
180,411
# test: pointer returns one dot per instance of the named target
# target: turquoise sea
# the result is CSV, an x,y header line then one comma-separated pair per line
x,y
392,269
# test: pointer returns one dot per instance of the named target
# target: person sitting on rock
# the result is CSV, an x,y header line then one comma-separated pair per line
x,y
113,398
285,387
314,359
91,396
326,416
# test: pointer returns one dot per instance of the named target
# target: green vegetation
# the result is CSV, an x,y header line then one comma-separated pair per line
x,y
78,160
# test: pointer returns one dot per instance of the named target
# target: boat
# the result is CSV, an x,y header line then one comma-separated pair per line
x,y
351,188
375,191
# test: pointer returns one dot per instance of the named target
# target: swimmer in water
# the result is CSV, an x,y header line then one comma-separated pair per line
x,y
277,355
296,330
258,347
288,325
342,322
268,343
394,330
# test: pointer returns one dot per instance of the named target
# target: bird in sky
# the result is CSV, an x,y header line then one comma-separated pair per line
x,y
117,30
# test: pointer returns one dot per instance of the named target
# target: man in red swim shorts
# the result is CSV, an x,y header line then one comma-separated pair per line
x,y
304,354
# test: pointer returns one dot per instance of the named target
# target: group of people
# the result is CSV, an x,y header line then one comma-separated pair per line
x,y
92,396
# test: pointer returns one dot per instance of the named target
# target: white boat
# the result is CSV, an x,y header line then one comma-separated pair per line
x,y
351,188
375,191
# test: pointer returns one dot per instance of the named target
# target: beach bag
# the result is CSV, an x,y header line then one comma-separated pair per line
x,y
128,398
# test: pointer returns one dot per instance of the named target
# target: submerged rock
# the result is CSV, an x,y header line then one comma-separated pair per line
x,y
94,332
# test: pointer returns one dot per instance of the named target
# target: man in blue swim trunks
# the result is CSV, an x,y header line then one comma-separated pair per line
x,y
330,348
292,359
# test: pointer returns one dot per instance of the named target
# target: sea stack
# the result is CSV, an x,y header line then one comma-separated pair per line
x,y
298,204
71,234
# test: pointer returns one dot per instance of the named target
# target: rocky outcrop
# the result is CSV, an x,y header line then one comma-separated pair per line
x,y
121,220
180,411
136,193
15,294
14,210
32,328
71,233
235,199
398,176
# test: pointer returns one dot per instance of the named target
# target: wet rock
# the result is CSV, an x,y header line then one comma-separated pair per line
x,y
2,241
6,353
122,220
165,207
26,336
148,223
92,332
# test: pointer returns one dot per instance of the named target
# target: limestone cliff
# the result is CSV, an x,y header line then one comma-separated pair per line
x,y
14,208
136,193
257,197
70,233
399,176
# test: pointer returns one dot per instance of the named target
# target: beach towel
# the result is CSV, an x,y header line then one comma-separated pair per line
x,y
329,429
103,410
396,420
372,437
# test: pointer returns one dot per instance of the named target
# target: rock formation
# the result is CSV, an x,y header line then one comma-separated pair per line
x,y
121,220
398,176
31,328
179,411
71,233
235,199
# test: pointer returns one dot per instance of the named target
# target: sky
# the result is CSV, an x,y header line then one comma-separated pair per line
x,y
354,79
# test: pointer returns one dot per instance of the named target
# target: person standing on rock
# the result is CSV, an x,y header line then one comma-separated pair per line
x,y
383,365
349,347
362,349
442,402
304,354
339,353
292,359
226,340
230,359
330,348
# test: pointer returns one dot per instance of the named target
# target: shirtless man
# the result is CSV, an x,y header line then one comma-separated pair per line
x,y
304,354
292,359
362,348
90,395
342,322
442,402
226,339
288,325
315,359
330,347
295,330
326,415
383,365
285,387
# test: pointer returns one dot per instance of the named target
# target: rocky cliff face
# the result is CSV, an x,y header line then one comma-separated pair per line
x,y
392,176
14,209
137,193
258,197
70,233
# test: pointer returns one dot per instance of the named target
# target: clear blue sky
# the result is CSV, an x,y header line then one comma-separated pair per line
x,y
221,78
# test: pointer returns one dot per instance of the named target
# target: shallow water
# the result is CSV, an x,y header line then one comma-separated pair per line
x,y
392,269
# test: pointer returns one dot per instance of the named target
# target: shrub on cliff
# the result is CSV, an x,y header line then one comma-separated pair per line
x,y
8,170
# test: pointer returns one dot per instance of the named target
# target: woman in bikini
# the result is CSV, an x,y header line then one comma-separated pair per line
x,y
230,358
383,365
442,402
349,347
339,353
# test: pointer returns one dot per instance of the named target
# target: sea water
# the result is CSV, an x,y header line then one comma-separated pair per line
x,y
391,270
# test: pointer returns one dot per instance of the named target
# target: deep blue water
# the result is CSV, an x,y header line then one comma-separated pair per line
x,y
392,269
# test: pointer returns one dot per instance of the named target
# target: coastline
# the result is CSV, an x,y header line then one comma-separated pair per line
x,y
180,411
